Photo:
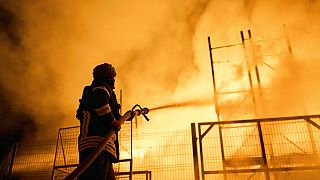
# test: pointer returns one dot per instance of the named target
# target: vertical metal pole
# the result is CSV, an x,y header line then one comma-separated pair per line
x,y
249,74
131,143
288,41
201,152
12,159
120,112
55,157
263,152
312,139
64,156
121,101
256,67
131,148
195,152
270,149
216,105
215,96
131,172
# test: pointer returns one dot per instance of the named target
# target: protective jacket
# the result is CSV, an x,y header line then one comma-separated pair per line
x,y
97,110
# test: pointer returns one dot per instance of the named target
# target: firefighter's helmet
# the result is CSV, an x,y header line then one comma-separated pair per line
x,y
104,70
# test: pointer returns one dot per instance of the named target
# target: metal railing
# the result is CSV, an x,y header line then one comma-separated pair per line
x,y
257,148
156,155
66,156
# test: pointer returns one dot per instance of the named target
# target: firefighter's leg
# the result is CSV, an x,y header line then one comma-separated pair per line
x,y
89,172
110,174
95,170
107,173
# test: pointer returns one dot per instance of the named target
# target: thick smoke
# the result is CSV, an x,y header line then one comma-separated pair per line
x,y
160,50
15,121
48,50
294,87
31,83
290,85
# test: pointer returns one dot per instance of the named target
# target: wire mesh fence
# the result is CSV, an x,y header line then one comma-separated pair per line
x,y
6,161
160,155
282,148
33,160
275,148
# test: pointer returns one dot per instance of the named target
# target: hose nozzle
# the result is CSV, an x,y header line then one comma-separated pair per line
x,y
140,111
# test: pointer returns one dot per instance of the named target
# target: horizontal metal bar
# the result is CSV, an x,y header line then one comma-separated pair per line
x,y
116,173
263,170
218,47
263,120
65,166
242,126
69,127
75,165
232,92
125,160
133,172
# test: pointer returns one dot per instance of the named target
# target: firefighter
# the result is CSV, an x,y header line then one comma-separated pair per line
x,y
98,113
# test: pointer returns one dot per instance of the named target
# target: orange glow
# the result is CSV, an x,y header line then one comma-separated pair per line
x,y
160,51
161,54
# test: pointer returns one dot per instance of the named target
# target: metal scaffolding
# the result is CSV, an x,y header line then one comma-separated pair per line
x,y
246,149
249,56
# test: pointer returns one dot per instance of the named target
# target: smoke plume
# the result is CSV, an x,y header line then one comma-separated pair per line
x,y
160,51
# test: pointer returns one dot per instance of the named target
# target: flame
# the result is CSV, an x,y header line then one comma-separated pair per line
x,y
161,55
160,51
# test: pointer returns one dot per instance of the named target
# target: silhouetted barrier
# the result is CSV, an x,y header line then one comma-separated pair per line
x,y
271,148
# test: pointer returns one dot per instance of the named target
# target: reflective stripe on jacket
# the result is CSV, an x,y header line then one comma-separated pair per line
x,y
97,119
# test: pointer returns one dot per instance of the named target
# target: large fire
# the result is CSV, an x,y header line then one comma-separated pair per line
x,y
161,54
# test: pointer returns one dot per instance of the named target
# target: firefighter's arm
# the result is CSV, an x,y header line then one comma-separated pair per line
x,y
103,109
117,108
128,116
82,103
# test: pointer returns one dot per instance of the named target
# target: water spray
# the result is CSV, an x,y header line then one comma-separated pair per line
x,y
196,102
138,110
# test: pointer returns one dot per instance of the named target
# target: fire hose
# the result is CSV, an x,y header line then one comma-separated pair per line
x,y
86,163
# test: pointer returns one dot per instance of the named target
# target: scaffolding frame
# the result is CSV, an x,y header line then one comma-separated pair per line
x,y
248,45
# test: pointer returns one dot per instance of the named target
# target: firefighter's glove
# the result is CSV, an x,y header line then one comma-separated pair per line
x,y
79,114
132,115
116,125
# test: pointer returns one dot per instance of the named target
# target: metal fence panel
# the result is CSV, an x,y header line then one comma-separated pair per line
x,y
33,160
160,155
260,148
